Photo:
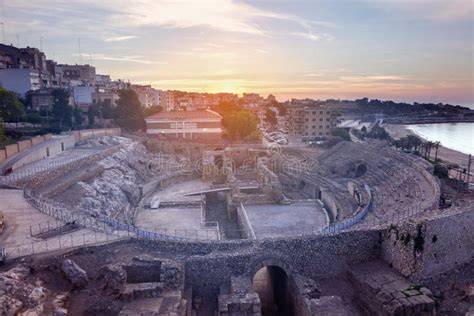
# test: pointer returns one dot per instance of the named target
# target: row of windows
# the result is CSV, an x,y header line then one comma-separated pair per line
x,y
321,120
184,125
320,126
314,134
321,112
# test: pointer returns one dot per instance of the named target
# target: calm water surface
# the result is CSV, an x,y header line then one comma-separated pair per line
x,y
457,136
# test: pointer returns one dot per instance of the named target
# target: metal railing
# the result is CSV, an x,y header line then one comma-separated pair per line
x,y
14,178
58,243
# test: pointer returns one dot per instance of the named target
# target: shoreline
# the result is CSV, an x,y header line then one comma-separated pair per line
x,y
446,154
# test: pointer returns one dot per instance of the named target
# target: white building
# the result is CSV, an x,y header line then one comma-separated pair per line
x,y
83,95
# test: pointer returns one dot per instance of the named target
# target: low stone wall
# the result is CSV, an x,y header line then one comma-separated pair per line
x,y
430,246
244,223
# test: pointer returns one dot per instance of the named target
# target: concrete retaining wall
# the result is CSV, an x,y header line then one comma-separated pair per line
x,y
11,150
39,152
45,150
24,144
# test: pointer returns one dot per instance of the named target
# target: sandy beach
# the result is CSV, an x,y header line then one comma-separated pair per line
x,y
445,154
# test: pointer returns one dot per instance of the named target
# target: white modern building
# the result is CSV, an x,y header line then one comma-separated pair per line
x,y
191,125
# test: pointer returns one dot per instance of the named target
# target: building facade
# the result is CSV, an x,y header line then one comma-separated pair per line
x,y
20,80
187,125
311,120
147,95
85,74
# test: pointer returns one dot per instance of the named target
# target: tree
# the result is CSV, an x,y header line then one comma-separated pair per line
x,y
78,120
33,117
3,138
62,111
152,110
107,110
238,122
241,125
270,117
342,133
92,113
11,109
129,110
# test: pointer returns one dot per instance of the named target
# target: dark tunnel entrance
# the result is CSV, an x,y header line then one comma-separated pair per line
x,y
272,286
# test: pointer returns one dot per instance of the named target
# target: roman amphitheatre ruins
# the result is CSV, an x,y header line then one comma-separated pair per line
x,y
119,224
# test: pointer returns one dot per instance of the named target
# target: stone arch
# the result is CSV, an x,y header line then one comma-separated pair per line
x,y
266,261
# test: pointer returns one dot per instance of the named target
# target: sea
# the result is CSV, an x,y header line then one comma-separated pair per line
x,y
457,136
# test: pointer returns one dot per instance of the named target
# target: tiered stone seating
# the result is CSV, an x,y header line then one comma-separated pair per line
x,y
400,182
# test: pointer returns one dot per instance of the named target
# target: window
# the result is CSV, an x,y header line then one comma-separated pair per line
x,y
321,112
328,119
321,119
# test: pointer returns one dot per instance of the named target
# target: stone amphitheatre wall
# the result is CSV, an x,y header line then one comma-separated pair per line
x,y
314,256
430,246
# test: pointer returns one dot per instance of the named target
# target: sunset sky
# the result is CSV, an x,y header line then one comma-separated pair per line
x,y
407,50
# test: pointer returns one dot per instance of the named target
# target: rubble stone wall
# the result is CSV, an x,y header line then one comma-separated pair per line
x,y
313,256
430,246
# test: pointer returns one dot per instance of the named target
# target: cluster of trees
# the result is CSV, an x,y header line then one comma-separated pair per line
x,y
239,123
415,144
402,108
128,113
377,132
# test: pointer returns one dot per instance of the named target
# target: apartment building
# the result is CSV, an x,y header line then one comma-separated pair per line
x,y
167,101
20,80
147,95
311,120
81,74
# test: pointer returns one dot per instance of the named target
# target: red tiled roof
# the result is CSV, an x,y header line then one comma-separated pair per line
x,y
182,115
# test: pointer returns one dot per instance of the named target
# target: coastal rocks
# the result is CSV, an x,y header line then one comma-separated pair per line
x,y
113,279
75,274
